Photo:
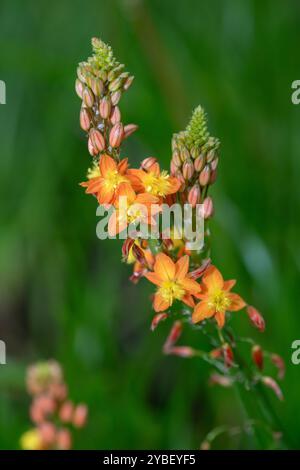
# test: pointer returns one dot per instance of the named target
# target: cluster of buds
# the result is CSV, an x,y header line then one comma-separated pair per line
x,y
195,161
100,83
51,411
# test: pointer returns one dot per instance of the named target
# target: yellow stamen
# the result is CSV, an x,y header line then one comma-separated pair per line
x,y
219,301
171,290
157,185
113,179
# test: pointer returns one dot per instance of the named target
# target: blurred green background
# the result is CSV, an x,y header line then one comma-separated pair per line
x,y
65,294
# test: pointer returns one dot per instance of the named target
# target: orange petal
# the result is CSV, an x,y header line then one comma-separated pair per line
x,y
105,195
202,311
115,224
94,185
106,164
159,304
236,302
220,319
146,198
182,267
134,177
188,300
190,285
164,267
228,285
122,166
125,191
213,279
152,277
174,185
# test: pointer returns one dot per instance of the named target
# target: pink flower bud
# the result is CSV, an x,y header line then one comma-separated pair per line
x,y
116,135
218,379
115,115
182,351
173,168
80,415
63,439
157,319
271,383
91,148
194,195
97,139
176,158
48,433
199,162
66,412
256,318
279,363
97,86
129,129
188,169
105,107
88,97
115,98
85,119
257,356
148,162
214,164
213,176
204,176
79,87
128,82
207,208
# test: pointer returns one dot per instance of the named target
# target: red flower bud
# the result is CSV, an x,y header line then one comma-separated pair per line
x,y
257,356
174,335
97,140
256,318
228,355
116,135
105,107
80,415
85,119
213,176
181,351
280,364
157,319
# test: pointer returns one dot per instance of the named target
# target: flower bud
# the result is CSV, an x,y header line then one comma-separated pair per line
x,y
97,139
148,162
211,155
157,319
105,107
228,355
91,148
173,168
80,415
213,176
115,98
207,208
271,383
194,195
180,177
129,129
85,119
214,164
176,158
199,162
115,115
48,432
184,154
256,318
181,351
116,135
79,87
194,152
97,86
127,245
66,412
174,335
188,169
63,438
115,85
257,356
128,82
204,176
88,97
279,363
81,73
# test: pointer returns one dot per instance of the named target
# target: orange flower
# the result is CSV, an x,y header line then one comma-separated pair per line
x,y
153,181
216,298
173,282
109,180
132,208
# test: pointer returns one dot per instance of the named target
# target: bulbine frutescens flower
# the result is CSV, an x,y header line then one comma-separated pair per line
x,y
164,219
